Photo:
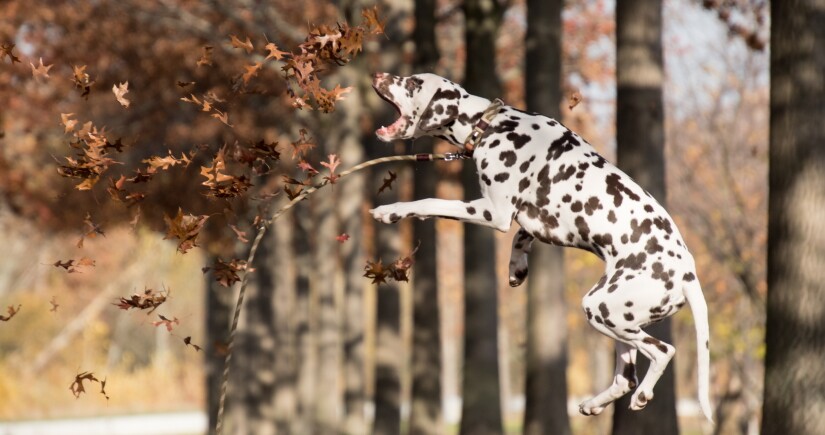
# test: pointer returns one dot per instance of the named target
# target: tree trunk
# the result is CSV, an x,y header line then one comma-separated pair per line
x,y
306,329
481,391
795,335
388,320
640,153
425,412
546,365
218,306
350,202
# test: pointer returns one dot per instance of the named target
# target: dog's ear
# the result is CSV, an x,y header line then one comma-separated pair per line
x,y
441,111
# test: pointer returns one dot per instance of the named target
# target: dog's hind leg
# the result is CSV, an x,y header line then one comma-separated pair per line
x,y
624,380
522,242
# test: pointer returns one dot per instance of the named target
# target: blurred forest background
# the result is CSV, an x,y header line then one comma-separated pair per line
x,y
321,348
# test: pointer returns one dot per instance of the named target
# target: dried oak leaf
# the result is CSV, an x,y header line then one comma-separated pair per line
x,y
6,51
185,228
375,271
375,25
226,274
40,71
574,99
91,231
73,266
149,299
82,80
304,144
332,165
54,304
188,341
166,322
251,71
246,45
120,91
68,123
77,386
12,311
387,182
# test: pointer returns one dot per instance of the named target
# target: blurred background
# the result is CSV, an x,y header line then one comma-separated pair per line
x,y
321,349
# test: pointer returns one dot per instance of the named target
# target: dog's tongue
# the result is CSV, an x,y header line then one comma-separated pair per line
x,y
389,130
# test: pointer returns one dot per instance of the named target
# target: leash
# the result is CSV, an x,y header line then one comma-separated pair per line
x,y
469,145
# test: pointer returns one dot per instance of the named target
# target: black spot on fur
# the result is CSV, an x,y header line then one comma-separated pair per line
x,y
523,184
501,177
584,229
617,189
689,277
486,179
564,143
628,316
653,246
471,210
611,217
508,157
488,216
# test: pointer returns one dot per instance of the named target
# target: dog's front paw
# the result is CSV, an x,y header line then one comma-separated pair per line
x,y
640,399
589,408
386,213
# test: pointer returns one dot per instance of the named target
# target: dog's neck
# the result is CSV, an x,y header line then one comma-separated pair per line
x,y
470,109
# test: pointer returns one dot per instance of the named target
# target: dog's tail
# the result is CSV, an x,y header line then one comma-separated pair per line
x,y
699,308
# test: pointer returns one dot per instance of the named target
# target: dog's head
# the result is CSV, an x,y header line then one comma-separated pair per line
x,y
426,104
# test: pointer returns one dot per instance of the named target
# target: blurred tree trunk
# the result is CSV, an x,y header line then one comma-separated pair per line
x,y
640,153
350,202
218,306
328,394
306,328
425,413
481,391
795,335
388,344
252,392
286,352
546,378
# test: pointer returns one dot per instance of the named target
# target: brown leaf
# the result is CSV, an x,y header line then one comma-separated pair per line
x,y
188,342
68,123
6,51
12,312
149,299
387,182
241,235
274,52
120,91
226,274
77,385
40,71
166,322
236,43
54,305
371,18
185,228
82,80
375,271
574,99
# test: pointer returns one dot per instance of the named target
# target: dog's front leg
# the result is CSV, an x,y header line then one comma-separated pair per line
x,y
480,211
522,242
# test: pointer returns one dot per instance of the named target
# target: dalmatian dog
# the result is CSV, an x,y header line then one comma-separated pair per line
x,y
560,191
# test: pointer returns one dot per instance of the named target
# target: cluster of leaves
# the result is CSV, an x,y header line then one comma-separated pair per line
x,y
148,300
397,270
93,155
77,386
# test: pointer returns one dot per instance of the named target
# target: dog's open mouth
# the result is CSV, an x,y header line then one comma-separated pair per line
x,y
393,129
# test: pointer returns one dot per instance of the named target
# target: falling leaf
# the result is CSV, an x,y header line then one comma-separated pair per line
x,y
371,17
12,312
188,342
166,322
387,182
375,271
236,43
303,145
103,388
306,167
342,238
149,299
82,80
251,71
68,123
72,266
226,274
134,222
121,90
6,51
41,71
185,228
574,99
77,386
182,84
54,304
222,116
